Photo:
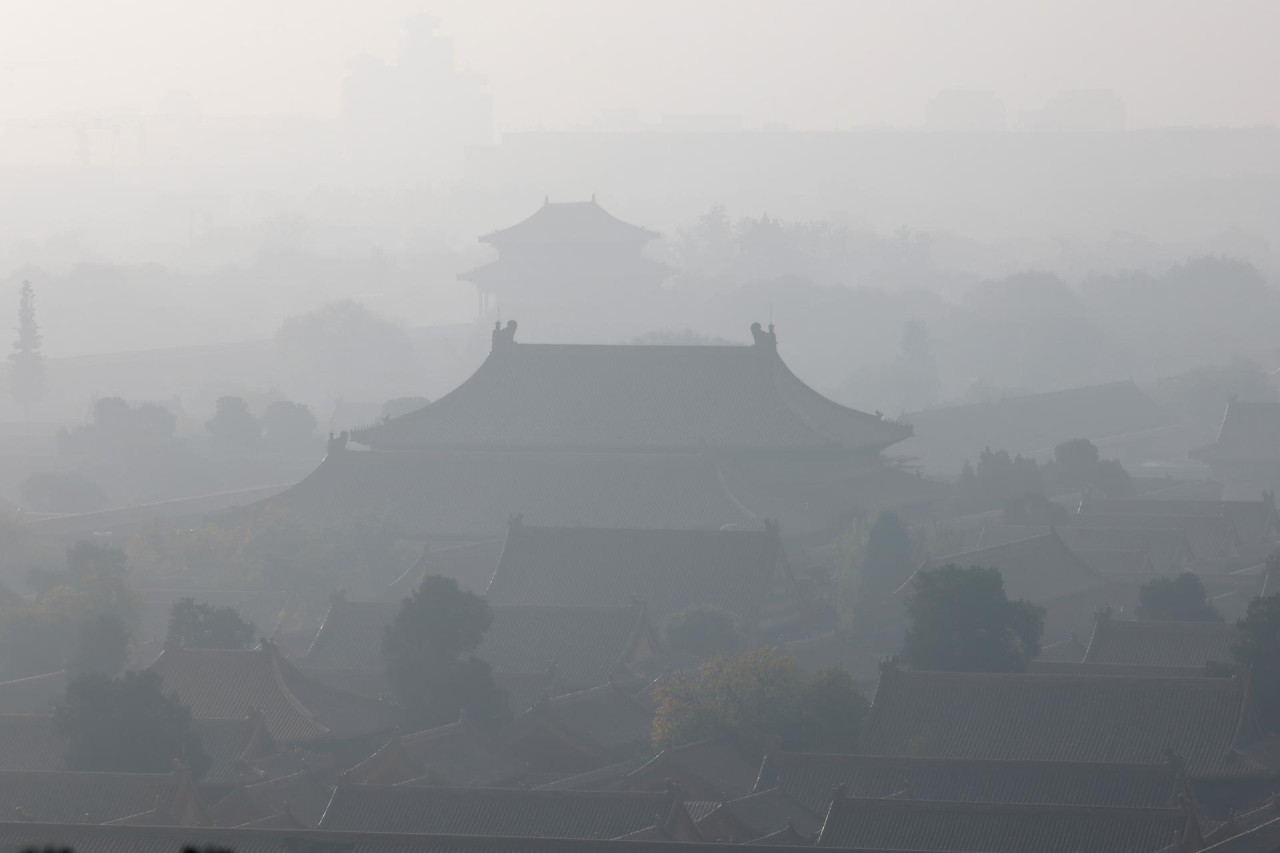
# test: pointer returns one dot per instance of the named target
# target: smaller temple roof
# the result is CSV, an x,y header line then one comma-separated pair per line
x,y
584,644
1255,521
576,222
496,811
1183,644
671,570
902,824
1250,432
1039,569
1209,722
810,778
224,684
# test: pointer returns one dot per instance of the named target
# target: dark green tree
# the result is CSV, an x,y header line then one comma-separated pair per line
x,y
962,621
887,562
27,377
702,630
197,625
101,646
1259,651
427,650
233,427
1178,599
764,701
126,725
286,424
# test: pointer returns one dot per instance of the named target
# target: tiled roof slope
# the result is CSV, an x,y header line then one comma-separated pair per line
x,y
32,743
586,397
1249,432
301,796
1213,539
585,644
1039,569
580,731
945,437
757,815
573,222
1164,549
892,824
1090,718
670,570
495,811
718,768
1255,521
1188,644
134,839
809,778
458,754
35,694
221,684
73,797
470,496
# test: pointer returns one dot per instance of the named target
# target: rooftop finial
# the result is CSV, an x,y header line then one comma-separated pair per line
x,y
504,335
762,338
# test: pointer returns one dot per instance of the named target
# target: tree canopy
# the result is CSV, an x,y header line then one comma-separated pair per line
x,y
961,620
126,725
233,427
27,377
1177,599
1259,651
702,630
427,649
197,625
762,699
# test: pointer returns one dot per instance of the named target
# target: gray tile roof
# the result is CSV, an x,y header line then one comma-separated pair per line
x,y
1184,644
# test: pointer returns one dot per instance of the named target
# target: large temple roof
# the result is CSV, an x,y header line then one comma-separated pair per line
x,y
634,398
570,222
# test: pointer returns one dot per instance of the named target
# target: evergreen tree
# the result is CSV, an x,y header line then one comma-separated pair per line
x,y
203,626
962,621
1178,599
886,564
27,377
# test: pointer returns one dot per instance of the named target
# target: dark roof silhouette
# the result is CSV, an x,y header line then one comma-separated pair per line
x,y
1249,432
150,839
720,768
1039,569
670,570
576,732
576,222
76,797
1184,644
1161,549
470,496
584,397
458,754
34,694
495,811
302,796
1209,722
224,684
758,815
809,778
1254,521
945,437
900,824
584,644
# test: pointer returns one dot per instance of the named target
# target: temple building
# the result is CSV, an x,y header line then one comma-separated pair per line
x,y
616,436
565,252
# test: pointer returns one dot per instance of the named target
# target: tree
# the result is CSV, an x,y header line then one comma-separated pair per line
x,y
126,725
886,561
1178,599
27,378
763,700
232,427
203,626
1078,465
427,649
285,424
702,630
102,646
1258,649
962,621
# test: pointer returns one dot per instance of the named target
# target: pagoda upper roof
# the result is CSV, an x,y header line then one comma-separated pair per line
x,y
617,398
570,222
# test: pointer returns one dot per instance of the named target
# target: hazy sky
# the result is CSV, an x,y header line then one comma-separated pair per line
x,y
556,63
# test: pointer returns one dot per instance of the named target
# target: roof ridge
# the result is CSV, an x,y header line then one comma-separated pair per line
x,y
908,804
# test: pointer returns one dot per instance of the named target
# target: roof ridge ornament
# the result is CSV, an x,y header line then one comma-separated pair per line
x,y
503,336
761,338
